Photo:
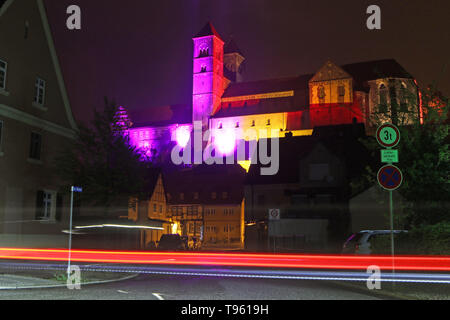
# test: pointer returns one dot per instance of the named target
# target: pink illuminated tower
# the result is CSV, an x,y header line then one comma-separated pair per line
x,y
208,74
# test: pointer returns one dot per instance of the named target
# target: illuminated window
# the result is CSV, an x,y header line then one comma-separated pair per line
x,y
39,95
403,98
341,94
383,92
3,67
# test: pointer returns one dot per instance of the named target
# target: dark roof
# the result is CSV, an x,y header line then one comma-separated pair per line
x,y
231,47
267,86
265,106
204,180
361,72
208,30
371,70
161,116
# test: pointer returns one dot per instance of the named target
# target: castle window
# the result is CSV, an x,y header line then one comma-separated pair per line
x,y
403,98
220,125
237,124
253,123
203,69
383,92
341,93
268,122
321,92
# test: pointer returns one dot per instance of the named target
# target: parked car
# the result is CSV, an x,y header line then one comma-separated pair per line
x,y
171,242
359,243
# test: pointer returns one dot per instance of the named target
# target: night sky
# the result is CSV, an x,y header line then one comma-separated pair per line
x,y
139,52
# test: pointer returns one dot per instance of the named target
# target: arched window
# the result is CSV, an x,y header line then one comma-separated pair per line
x,y
383,93
403,97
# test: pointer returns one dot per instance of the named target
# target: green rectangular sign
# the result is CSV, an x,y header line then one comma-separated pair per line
x,y
389,156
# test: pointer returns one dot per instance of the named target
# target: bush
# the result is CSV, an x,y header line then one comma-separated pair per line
x,y
426,239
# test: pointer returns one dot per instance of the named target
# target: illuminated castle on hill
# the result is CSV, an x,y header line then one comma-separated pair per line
x,y
222,102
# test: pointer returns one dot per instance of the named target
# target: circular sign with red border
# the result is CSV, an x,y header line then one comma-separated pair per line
x,y
388,135
389,177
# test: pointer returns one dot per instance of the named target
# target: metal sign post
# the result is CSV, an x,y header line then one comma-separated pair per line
x,y
389,176
72,190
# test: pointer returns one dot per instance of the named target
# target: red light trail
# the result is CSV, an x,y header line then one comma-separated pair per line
x,y
305,261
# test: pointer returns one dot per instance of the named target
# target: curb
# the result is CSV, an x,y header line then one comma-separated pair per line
x,y
375,293
65,285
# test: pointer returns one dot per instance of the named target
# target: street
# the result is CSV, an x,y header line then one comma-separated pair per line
x,y
179,287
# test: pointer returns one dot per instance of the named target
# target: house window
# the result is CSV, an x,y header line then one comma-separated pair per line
x,y
3,67
154,207
39,95
45,205
35,146
318,171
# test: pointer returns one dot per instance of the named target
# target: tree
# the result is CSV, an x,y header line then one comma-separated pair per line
x,y
103,162
424,156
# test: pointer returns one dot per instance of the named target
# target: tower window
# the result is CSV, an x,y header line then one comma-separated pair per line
x,y
203,69
237,124
220,125
268,122
204,52
253,123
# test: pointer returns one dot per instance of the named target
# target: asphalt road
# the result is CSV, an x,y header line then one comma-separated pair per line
x,y
180,287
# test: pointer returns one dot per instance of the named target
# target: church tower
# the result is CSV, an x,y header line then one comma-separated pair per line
x,y
208,74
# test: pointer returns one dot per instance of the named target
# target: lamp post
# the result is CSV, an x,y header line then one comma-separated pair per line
x,y
72,190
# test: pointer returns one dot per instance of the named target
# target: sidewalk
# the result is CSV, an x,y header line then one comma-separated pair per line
x,y
29,278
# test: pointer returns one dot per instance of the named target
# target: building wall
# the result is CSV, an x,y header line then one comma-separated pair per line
x,y
27,53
